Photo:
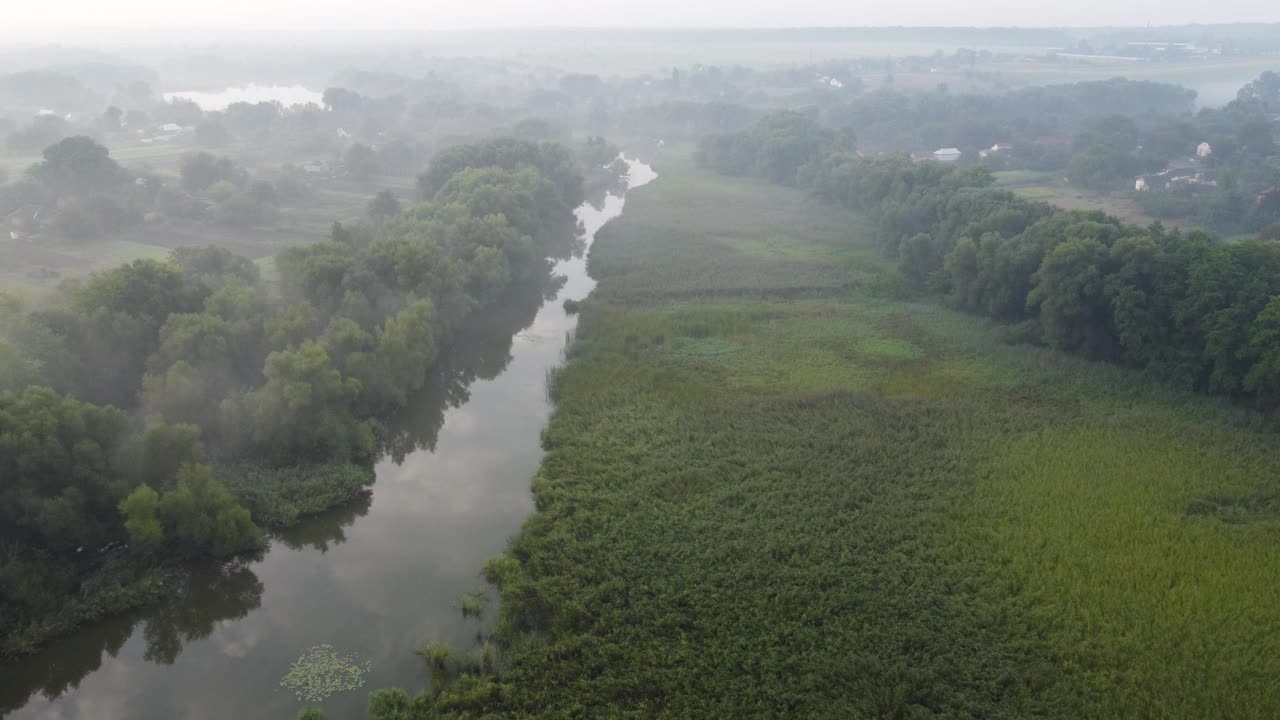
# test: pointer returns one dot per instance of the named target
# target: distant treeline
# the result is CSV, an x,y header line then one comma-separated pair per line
x,y
893,120
1182,305
118,400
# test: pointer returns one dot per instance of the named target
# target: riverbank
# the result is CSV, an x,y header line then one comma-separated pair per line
x,y
770,490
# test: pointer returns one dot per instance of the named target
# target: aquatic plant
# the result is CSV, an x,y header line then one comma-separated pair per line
x,y
321,672
437,654
474,602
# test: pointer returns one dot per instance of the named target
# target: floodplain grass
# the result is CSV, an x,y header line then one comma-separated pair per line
x,y
800,499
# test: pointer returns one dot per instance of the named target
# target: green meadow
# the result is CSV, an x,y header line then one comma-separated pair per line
x,y
772,490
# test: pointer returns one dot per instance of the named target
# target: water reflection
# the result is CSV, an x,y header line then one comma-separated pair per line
x,y
327,529
205,597
479,351
196,601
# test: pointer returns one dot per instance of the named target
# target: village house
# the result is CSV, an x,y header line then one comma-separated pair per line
x,y
995,150
1173,177
947,154
24,222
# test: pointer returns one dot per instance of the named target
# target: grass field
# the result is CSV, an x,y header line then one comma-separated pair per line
x,y
1055,190
791,498
33,269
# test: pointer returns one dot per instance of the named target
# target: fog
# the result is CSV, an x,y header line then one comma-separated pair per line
x,y
61,20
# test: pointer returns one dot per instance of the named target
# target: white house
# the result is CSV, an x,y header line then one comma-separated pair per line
x,y
1203,150
995,149
947,154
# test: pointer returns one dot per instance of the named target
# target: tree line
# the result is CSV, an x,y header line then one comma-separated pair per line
x,y
1198,312
123,404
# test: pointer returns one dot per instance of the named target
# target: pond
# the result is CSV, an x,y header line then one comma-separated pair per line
x,y
376,581
219,99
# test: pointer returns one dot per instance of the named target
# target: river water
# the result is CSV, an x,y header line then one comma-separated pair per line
x,y
376,581
286,95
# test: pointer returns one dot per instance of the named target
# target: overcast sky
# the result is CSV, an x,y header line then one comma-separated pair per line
x,y
47,19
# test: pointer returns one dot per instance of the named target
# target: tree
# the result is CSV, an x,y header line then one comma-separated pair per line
x,y
212,134
201,170
215,267
155,456
180,111
57,476
77,165
407,345
1263,379
360,161
1070,293
342,100
383,205
139,511
1263,92
304,410
203,518
1255,138
1102,167
111,118
42,132
137,119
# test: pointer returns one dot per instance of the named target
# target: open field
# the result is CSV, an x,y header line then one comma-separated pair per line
x,y
1055,190
33,268
804,500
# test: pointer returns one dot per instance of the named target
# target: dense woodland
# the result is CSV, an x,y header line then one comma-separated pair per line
x,y
121,399
1185,306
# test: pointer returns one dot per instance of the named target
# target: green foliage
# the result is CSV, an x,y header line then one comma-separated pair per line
x,y
277,497
473,603
77,165
383,205
551,160
139,511
775,148
321,671
202,517
360,161
57,471
201,170
437,654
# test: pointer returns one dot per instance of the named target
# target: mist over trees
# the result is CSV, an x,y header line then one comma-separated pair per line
x,y
118,399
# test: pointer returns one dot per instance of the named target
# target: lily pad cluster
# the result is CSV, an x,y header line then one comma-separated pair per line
x,y
321,672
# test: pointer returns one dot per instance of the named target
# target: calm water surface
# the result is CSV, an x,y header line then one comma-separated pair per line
x,y
378,580
219,100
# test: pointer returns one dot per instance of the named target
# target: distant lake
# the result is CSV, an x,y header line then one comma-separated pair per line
x,y
219,99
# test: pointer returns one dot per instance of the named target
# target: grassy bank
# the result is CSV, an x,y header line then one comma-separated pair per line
x,y
769,492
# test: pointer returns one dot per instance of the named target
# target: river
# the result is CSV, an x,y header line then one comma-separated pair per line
x,y
376,581
286,95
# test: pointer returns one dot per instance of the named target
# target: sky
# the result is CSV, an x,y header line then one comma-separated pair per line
x,y
44,20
